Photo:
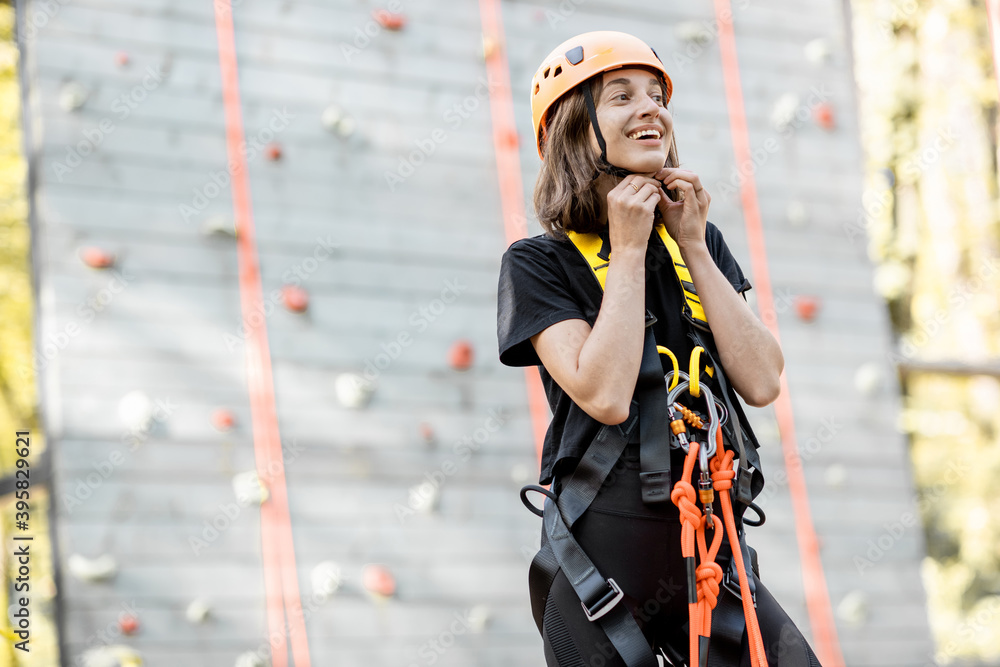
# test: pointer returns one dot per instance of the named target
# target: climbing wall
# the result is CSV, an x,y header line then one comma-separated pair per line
x,y
307,414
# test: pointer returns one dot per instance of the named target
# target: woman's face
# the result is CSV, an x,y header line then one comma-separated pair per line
x,y
632,101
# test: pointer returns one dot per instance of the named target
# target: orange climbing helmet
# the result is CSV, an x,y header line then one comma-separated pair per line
x,y
580,58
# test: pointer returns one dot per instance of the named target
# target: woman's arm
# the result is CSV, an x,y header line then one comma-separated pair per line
x,y
598,367
750,354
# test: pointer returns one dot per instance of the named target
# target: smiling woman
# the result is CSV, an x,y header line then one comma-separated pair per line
x,y
629,266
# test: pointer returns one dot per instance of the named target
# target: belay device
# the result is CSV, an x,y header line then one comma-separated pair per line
x,y
721,604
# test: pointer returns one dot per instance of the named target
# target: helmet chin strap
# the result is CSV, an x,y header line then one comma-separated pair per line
x,y
603,164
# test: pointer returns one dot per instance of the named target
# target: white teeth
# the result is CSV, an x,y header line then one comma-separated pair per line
x,y
644,133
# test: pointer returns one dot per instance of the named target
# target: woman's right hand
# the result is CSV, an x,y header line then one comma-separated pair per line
x,y
631,207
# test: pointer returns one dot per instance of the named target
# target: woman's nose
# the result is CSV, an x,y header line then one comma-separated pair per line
x,y
648,106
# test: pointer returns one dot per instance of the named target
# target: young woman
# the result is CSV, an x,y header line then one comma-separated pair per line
x,y
610,167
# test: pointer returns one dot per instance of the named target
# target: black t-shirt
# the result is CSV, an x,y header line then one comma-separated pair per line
x,y
545,280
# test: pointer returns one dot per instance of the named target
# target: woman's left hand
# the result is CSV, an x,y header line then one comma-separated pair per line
x,y
685,220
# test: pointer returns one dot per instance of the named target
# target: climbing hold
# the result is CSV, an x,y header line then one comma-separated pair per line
x,y
835,475
783,111
112,655
806,307
353,391
326,579
273,151
479,617
460,355
136,411
128,624
223,419
96,258
390,20
219,225
692,32
250,659
378,580
520,473
427,433
510,139
818,51
868,379
490,46
295,298
72,96
198,611
330,117
425,497
853,609
250,489
122,59
92,570
823,115
796,212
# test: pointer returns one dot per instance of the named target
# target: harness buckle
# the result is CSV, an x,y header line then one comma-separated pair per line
x,y
606,603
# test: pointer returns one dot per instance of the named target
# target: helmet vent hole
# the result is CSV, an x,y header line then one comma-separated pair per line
x,y
545,74
557,72
536,89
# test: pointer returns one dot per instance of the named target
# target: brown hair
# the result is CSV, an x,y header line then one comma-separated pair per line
x,y
566,196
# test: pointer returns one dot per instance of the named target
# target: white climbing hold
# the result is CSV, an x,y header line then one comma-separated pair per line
x,y
425,497
353,391
92,570
198,611
479,617
250,659
113,655
692,32
868,379
135,409
219,225
331,116
783,111
249,489
818,51
346,126
853,609
72,96
796,212
835,475
326,579
520,473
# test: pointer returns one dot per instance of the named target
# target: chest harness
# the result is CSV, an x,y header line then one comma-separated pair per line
x,y
720,604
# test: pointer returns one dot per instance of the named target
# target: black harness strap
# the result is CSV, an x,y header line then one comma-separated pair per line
x,y
654,433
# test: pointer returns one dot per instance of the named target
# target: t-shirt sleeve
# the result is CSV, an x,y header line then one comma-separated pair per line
x,y
724,259
532,295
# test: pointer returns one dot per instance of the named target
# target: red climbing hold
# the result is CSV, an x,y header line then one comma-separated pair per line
x,y
460,355
378,580
806,307
823,114
296,299
427,432
128,624
273,151
122,59
223,419
96,258
390,20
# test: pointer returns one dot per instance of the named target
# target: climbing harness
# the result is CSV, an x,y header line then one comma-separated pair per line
x,y
713,593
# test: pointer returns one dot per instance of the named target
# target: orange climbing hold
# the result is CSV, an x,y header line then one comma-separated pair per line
x,y
806,307
122,59
378,579
223,419
460,355
273,151
296,299
390,20
823,114
128,624
96,258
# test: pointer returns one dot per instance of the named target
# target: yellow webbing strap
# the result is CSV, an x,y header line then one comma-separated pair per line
x,y
692,303
673,360
589,245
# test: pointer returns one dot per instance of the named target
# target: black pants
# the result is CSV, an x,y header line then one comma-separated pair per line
x,y
639,546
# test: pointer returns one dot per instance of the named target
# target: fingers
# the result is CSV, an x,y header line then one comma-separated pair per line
x,y
636,188
684,182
